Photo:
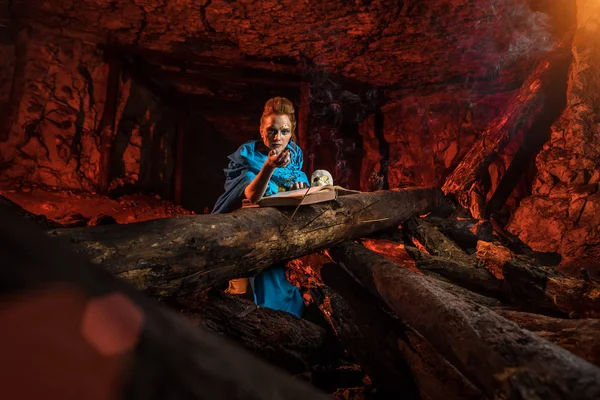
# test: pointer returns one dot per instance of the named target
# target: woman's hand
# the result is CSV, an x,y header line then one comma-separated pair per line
x,y
299,185
278,160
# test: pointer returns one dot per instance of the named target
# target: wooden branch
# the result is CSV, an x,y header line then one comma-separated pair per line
x,y
520,113
67,324
392,354
468,276
449,261
500,358
521,281
181,255
435,242
447,272
464,232
540,288
580,336
276,336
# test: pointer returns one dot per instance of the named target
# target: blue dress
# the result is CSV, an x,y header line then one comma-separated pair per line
x,y
271,287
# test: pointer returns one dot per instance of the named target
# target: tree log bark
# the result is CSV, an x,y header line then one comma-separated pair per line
x,y
288,342
181,255
464,232
71,329
513,278
445,271
448,260
500,358
520,114
580,336
391,353
540,288
435,242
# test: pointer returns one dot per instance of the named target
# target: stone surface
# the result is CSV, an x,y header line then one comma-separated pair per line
x,y
53,139
428,136
143,154
7,67
59,103
382,42
562,214
447,68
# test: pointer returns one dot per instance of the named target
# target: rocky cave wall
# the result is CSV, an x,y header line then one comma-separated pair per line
x,y
563,213
422,138
53,89
57,95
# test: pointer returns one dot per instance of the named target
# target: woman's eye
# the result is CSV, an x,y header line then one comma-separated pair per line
x,y
285,132
271,131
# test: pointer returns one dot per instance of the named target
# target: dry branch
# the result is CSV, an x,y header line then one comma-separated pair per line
x,y
519,114
282,339
390,352
181,255
50,295
464,232
540,288
579,336
501,359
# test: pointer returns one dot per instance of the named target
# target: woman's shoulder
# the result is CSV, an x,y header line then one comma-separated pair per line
x,y
246,154
246,148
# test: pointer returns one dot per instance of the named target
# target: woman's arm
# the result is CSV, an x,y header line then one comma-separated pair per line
x,y
256,189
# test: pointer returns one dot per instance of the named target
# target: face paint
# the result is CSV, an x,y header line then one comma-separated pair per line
x,y
278,133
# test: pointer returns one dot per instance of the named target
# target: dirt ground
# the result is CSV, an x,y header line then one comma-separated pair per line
x,y
69,207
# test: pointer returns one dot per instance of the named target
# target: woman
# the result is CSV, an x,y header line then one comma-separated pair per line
x,y
266,167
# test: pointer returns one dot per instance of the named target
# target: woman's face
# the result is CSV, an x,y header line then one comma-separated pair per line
x,y
277,132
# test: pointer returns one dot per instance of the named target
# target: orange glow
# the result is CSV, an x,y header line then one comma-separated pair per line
x,y
392,251
419,245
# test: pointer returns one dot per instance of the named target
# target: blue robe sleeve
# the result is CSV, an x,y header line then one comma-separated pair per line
x,y
243,167
235,183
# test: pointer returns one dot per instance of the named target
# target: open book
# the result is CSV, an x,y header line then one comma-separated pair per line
x,y
316,194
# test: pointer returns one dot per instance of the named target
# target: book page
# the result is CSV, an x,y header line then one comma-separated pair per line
x,y
299,193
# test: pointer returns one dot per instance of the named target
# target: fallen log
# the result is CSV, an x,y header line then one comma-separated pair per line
x,y
370,346
580,336
520,114
501,359
540,288
71,329
435,242
516,279
288,342
452,273
184,254
469,276
391,353
464,232
448,260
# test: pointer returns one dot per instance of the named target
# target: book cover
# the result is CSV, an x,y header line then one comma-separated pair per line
x,y
312,195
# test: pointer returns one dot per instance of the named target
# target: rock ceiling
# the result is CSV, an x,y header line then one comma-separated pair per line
x,y
385,43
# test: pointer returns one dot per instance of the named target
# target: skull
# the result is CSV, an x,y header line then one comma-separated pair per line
x,y
321,177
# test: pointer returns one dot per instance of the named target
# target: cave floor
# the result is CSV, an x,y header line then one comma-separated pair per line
x,y
61,206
